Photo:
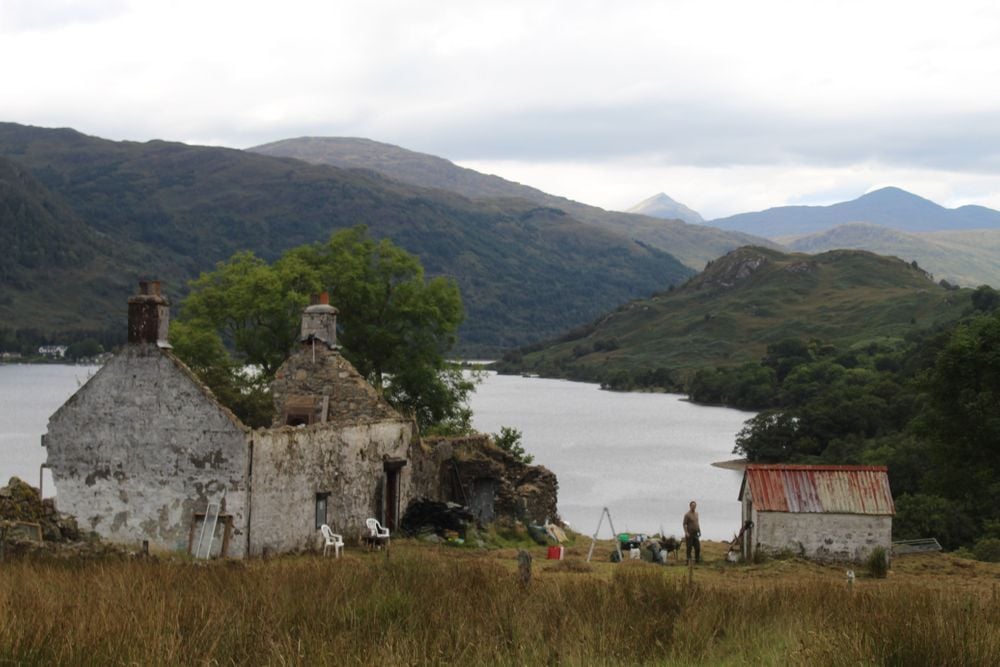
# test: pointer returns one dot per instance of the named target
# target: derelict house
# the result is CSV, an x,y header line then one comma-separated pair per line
x,y
817,511
144,452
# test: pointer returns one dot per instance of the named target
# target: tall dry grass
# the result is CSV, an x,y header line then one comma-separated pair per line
x,y
420,608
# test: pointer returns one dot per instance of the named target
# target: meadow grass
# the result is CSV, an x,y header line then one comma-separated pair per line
x,y
428,605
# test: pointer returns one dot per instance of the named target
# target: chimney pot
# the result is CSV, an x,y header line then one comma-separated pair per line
x,y
319,321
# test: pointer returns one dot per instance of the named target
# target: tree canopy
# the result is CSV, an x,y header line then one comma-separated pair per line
x,y
927,407
396,326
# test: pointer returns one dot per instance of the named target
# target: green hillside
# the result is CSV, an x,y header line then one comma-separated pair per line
x,y
728,314
172,210
968,258
694,245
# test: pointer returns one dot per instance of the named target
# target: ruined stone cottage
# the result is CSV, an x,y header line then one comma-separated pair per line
x,y
144,452
473,472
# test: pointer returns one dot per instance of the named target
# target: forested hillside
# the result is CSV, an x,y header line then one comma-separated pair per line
x,y
741,303
171,210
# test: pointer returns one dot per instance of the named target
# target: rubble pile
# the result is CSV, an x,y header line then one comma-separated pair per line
x,y
21,503
25,516
425,516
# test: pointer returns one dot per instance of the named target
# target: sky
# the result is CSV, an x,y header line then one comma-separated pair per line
x,y
725,106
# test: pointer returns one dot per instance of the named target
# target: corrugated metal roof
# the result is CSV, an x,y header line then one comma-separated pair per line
x,y
830,489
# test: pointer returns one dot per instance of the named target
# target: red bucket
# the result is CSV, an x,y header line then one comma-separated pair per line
x,y
555,553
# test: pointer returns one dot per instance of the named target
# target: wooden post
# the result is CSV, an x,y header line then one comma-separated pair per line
x,y
524,567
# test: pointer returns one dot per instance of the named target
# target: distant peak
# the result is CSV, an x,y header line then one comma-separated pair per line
x,y
661,205
893,193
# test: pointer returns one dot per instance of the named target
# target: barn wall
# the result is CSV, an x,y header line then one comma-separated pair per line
x,y
846,537
141,447
292,464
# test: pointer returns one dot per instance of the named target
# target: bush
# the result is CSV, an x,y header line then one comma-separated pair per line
x,y
509,440
878,563
987,549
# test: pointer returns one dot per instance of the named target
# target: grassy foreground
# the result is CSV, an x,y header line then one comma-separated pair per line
x,y
440,605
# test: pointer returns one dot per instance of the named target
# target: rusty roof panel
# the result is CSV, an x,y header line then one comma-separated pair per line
x,y
830,489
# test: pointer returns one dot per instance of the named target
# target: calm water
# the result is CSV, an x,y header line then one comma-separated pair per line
x,y
29,394
645,456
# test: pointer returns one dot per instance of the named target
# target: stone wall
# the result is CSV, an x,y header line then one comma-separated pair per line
x,y
829,537
318,380
142,447
293,464
455,469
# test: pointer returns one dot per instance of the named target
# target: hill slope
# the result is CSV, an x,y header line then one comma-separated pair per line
x,y
729,313
890,207
694,245
525,271
662,206
968,258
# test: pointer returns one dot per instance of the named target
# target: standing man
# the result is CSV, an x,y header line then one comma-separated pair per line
x,y
692,533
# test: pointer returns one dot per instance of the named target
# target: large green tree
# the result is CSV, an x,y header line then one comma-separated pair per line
x,y
962,416
396,326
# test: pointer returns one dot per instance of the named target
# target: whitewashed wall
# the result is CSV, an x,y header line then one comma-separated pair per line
x,y
843,537
292,464
140,448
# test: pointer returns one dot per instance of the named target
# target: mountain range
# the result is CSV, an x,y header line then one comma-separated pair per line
x,y
960,246
85,216
889,207
81,217
693,245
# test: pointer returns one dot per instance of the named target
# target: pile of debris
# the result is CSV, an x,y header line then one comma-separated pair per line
x,y
26,513
30,524
425,517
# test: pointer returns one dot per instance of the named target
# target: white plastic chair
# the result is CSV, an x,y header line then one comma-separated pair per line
x,y
377,534
332,539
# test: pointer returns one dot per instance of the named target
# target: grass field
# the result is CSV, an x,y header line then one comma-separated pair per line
x,y
444,605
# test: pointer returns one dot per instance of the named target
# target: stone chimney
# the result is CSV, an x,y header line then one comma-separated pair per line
x,y
148,315
319,322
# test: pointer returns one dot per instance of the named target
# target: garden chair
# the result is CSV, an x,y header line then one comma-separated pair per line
x,y
377,534
332,539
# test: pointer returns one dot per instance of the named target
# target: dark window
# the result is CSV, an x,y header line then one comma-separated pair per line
x,y
321,499
298,417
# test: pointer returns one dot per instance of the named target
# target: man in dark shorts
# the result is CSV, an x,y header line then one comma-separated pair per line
x,y
692,533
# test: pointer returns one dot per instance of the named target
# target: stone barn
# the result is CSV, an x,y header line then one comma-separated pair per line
x,y
144,452
817,511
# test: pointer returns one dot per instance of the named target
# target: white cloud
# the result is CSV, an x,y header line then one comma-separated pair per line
x,y
734,104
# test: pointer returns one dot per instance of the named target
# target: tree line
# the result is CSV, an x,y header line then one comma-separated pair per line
x,y
927,406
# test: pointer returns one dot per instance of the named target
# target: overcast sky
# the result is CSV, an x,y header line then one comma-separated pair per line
x,y
725,106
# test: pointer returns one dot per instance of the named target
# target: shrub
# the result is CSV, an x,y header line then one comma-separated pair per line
x,y
509,440
987,549
878,563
